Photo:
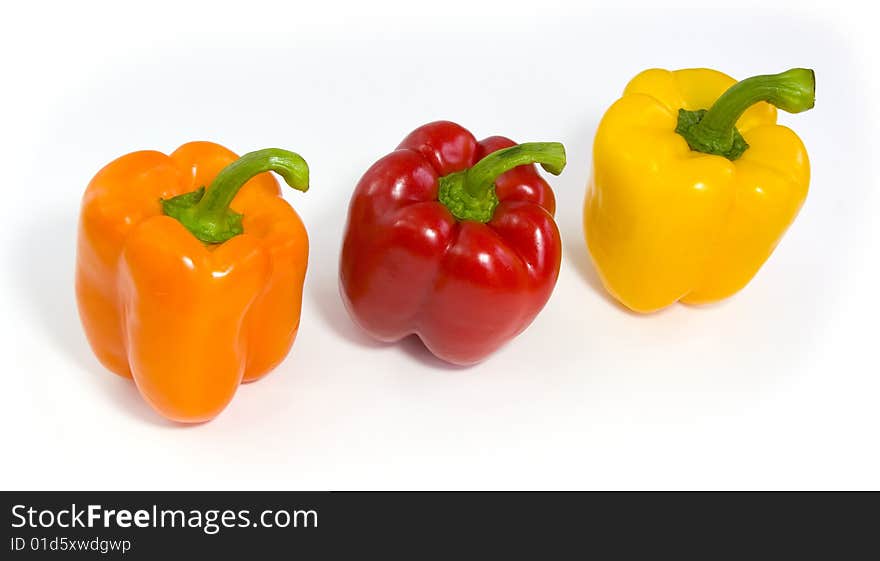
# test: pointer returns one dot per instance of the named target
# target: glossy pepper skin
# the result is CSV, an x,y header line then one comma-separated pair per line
x,y
673,215
464,285
190,320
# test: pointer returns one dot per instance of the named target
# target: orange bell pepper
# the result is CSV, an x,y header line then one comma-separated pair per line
x,y
192,290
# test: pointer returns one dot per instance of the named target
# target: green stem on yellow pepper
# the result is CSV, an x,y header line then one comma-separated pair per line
x,y
713,131
206,213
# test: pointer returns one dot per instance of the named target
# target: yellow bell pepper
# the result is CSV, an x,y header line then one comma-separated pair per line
x,y
694,183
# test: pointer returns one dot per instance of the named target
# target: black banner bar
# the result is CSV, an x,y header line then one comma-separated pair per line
x,y
414,525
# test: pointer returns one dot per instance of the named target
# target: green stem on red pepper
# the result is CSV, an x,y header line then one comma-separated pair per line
x,y
713,131
470,194
206,213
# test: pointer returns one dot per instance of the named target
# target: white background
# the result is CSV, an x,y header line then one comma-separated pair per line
x,y
776,388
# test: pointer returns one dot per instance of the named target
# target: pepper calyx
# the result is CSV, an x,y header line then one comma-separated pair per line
x,y
708,144
213,229
461,203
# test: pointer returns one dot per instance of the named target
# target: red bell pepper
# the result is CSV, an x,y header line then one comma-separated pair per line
x,y
453,240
